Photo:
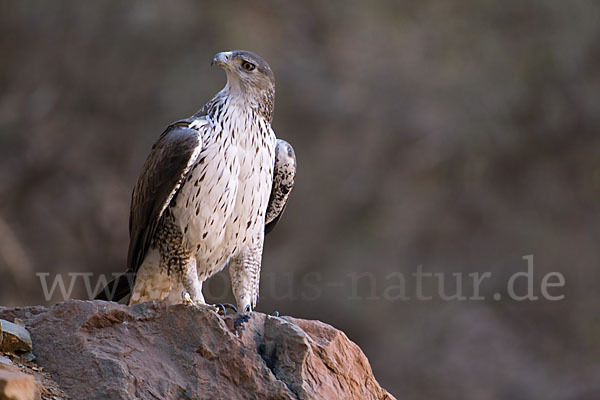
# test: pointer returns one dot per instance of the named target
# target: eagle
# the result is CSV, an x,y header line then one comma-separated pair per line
x,y
212,187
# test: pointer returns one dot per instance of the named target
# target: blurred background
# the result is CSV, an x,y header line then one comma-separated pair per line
x,y
460,136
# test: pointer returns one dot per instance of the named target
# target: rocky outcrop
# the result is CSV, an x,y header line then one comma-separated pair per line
x,y
104,350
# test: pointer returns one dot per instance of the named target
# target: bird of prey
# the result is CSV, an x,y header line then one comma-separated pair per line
x,y
213,185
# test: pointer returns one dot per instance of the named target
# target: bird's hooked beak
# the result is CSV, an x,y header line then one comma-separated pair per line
x,y
221,59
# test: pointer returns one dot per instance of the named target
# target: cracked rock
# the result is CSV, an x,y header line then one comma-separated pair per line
x,y
105,350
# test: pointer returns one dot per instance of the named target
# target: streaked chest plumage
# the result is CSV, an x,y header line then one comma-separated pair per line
x,y
221,205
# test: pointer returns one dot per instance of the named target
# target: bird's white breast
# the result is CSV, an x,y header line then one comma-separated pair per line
x,y
221,207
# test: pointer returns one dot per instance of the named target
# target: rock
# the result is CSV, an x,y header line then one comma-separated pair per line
x,y
15,338
28,357
100,350
317,361
15,385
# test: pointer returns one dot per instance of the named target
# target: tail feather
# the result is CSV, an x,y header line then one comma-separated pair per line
x,y
117,289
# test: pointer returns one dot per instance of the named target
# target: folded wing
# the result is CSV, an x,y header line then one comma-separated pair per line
x,y
283,183
166,167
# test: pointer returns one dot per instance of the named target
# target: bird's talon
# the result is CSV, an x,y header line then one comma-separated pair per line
x,y
276,314
187,299
234,308
220,309
223,307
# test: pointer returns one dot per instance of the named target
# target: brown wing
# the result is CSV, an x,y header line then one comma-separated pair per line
x,y
167,165
165,168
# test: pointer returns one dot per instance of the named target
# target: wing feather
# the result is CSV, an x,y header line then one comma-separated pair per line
x,y
166,167
284,173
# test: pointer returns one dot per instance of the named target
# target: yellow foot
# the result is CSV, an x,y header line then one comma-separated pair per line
x,y
187,300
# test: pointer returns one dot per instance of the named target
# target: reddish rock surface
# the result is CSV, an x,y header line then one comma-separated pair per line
x,y
15,385
103,350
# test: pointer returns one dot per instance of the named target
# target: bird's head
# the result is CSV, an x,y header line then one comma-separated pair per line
x,y
248,76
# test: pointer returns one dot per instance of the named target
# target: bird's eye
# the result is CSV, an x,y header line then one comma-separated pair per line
x,y
248,66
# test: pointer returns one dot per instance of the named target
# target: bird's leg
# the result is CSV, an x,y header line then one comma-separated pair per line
x,y
244,271
192,293
191,283
244,275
